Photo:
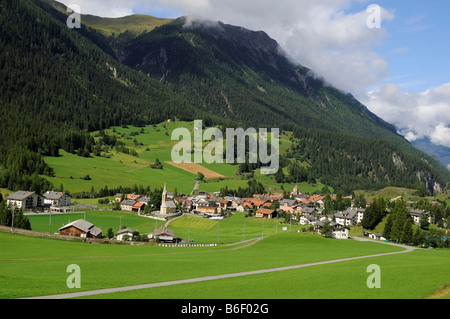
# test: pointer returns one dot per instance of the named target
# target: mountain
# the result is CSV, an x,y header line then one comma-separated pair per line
x,y
60,84
440,153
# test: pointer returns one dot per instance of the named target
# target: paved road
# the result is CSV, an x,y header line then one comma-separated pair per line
x,y
209,278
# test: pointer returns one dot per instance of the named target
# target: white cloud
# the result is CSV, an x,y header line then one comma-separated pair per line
x,y
416,114
321,35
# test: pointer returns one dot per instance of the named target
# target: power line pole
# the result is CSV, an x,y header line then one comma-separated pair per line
x,y
243,239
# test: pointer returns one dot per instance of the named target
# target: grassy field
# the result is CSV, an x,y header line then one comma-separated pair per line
x,y
151,143
37,266
201,230
103,220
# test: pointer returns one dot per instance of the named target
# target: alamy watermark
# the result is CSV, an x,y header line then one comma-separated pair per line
x,y
259,148
74,20
374,19
374,280
74,279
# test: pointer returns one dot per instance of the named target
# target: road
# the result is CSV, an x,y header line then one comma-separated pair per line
x,y
209,278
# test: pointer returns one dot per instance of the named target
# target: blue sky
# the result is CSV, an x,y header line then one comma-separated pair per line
x,y
417,46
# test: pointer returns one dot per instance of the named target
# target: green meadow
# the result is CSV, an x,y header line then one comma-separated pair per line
x,y
32,266
201,230
151,143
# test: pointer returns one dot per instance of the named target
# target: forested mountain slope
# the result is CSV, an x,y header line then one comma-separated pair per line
x,y
58,84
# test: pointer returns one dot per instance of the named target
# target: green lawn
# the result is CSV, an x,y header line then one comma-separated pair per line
x,y
37,266
408,276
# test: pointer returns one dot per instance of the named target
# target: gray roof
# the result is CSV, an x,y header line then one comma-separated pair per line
x,y
54,195
163,231
125,231
128,202
417,212
290,202
20,195
84,226
308,210
169,204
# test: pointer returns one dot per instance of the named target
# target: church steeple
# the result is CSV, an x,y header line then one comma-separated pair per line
x,y
164,194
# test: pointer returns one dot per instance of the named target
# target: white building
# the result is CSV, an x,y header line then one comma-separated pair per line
x,y
57,199
25,200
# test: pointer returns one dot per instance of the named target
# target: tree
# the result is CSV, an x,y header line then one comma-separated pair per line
x,y
200,176
110,233
424,223
327,230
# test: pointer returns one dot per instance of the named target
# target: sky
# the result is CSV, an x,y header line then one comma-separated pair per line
x,y
394,57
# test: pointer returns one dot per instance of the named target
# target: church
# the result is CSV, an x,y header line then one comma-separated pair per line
x,y
168,207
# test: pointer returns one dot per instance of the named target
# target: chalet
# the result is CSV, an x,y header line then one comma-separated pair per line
x,y
163,234
417,214
81,228
127,205
349,217
56,199
118,197
125,233
25,200
266,213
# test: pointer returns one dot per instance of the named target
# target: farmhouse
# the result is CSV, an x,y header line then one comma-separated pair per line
x,y
25,200
81,228
266,213
163,234
57,199
127,205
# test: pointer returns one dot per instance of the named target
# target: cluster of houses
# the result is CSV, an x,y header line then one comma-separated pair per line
x,y
305,209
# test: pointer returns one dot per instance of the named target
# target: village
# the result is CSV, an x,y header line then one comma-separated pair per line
x,y
303,209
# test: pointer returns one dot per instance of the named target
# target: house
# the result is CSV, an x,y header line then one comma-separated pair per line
x,y
138,207
25,200
163,234
348,217
266,213
118,197
127,205
56,199
244,207
288,205
417,214
125,233
81,228
338,231
377,237
206,207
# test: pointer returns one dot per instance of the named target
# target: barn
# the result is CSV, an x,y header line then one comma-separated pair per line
x,y
81,228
